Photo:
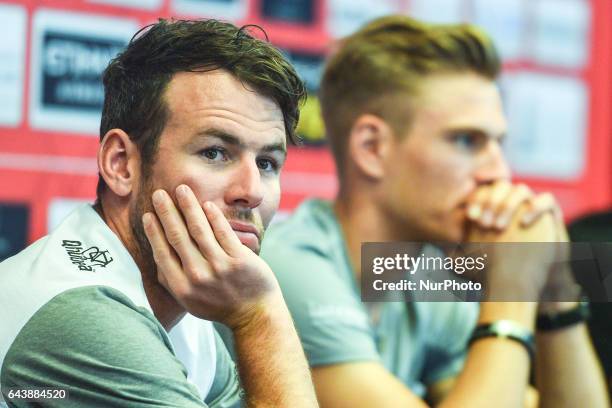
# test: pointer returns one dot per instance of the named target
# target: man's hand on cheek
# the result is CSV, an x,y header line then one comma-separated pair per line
x,y
494,206
201,261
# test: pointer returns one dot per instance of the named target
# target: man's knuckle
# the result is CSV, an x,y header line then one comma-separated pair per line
x,y
175,237
197,231
223,234
192,272
503,207
157,257
183,292
199,280
523,190
219,265
236,264
162,210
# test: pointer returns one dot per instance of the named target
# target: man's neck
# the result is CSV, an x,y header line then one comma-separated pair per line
x,y
362,221
165,308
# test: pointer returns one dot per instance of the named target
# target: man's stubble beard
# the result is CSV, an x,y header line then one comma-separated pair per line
x,y
143,250
143,204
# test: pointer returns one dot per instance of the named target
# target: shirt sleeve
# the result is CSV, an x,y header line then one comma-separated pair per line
x,y
103,350
331,322
225,391
452,323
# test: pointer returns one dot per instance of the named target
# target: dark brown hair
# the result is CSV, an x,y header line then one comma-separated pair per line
x,y
377,70
135,81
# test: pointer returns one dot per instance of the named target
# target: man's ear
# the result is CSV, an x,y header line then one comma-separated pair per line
x,y
119,162
370,144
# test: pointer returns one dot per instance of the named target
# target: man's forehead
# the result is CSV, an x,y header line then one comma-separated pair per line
x,y
192,91
461,101
216,99
450,91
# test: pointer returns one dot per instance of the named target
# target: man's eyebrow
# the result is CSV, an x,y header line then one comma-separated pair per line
x,y
230,139
220,134
476,132
275,147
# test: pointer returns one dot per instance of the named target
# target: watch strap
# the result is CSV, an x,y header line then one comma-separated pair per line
x,y
507,329
556,321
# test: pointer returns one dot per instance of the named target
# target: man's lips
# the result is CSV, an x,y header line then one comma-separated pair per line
x,y
247,233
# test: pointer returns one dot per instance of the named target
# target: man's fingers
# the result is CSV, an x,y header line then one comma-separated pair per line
x,y
507,209
176,233
197,224
223,231
483,207
475,207
546,203
541,204
499,193
169,268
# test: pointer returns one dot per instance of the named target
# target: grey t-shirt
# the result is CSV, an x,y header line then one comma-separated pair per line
x,y
74,316
420,343
104,351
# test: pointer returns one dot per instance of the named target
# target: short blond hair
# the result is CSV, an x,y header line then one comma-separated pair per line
x,y
382,64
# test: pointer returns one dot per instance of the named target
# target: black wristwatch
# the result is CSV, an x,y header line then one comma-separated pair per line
x,y
507,329
560,320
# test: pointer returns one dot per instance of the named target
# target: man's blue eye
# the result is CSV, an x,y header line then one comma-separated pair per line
x,y
214,154
267,165
468,141
465,140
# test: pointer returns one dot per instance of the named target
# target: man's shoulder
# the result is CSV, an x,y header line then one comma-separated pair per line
x,y
313,222
310,237
94,338
95,321
88,313
307,251
82,252
24,258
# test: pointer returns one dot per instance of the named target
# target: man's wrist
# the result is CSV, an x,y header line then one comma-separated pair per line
x,y
571,314
555,307
269,309
506,329
523,313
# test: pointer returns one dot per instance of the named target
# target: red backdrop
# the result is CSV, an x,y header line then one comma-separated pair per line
x,y
38,166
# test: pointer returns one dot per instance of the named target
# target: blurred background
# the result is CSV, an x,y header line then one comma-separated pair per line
x,y
557,82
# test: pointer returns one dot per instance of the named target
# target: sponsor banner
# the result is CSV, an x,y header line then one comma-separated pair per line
x,y
13,20
506,22
291,11
139,4
546,113
345,16
309,67
14,220
222,9
561,34
499,272
69,53
438,11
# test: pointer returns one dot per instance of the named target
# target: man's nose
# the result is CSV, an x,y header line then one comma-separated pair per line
x,y
245,186
492,165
